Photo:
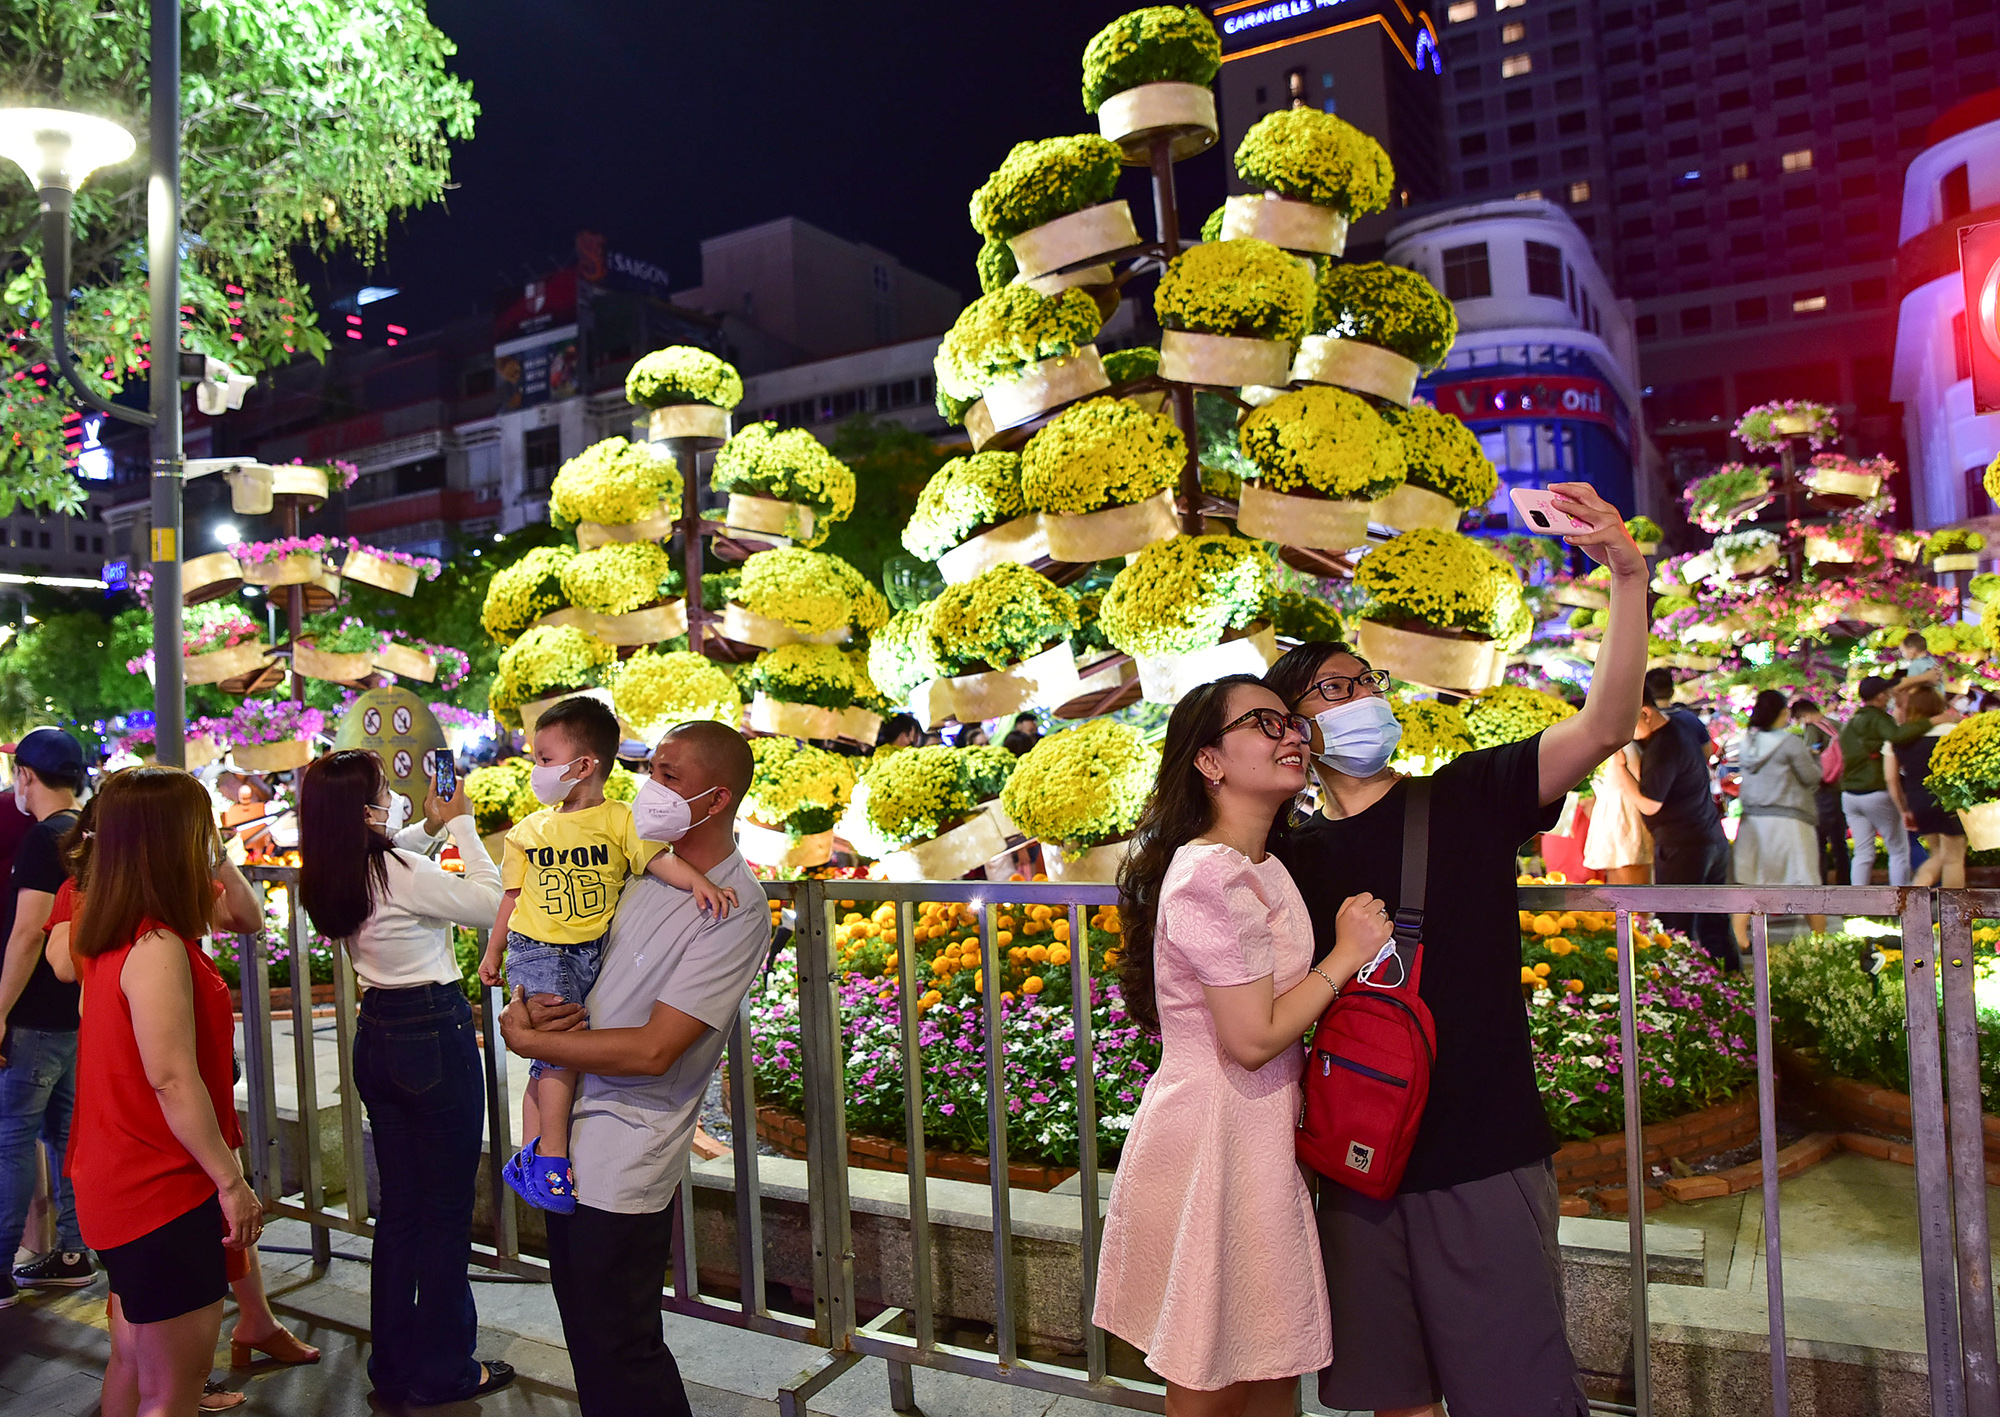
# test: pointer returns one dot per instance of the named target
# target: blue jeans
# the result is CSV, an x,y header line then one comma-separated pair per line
x,y
37,1096
566,972
416,1067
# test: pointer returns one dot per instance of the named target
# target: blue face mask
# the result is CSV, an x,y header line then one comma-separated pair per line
x,y
1359,737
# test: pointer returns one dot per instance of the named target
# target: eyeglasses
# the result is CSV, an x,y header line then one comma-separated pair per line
x,y
1275,724
1339,688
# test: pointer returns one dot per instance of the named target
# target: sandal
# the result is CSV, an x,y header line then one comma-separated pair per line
x,y
217,1398
544,1182
282,1346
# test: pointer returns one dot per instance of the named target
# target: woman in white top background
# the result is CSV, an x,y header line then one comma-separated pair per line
x,y
365,881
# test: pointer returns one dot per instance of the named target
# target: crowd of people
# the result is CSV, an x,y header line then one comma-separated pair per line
x,y
628,936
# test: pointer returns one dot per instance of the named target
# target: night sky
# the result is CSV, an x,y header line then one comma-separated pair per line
x,y
660,123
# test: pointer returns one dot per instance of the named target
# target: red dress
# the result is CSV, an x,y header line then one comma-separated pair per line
x,y
130,1171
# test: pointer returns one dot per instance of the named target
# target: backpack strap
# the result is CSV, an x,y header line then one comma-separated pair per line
x,y
1416,866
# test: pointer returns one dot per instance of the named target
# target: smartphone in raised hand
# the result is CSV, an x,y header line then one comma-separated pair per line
x,y
444,771
1537,508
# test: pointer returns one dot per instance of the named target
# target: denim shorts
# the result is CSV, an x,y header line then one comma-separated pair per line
x,y
566,971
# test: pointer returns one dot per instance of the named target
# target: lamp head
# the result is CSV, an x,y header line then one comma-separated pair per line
x,y
57,148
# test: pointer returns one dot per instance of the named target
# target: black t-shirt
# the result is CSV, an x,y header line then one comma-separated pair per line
x,y
47,1003
1485,1114
1673,771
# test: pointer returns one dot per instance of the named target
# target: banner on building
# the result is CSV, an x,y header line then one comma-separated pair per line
x,y
1979,263
535,307
536,368
1533,396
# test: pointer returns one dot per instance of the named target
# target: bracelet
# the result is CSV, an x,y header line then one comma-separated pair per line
x,y
1327,977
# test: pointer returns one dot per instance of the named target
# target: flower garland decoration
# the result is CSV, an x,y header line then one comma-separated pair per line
x,y
1732,493
1245,288
802,589
656,689
920,793
787,465
1182,594
1311,156
682,374
1100,453
1442,455
1434,732
965,496
620,576
1388,306
798,787
1083,786
819,675
1442,580
1757,431
520,594
1005,614
613,482
899,655
1325,440
1508,713
1040,181
1000,334
548,659
258,721
1161,44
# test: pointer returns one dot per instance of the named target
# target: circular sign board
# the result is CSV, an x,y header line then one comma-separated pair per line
x,y
398,728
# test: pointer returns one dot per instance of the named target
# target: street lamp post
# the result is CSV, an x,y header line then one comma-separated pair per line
x,y
59,150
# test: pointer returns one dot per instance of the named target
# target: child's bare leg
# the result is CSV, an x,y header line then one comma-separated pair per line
x,y
557,1092
531,1114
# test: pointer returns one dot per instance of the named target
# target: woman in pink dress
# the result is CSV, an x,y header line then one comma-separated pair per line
x,y
1210,1263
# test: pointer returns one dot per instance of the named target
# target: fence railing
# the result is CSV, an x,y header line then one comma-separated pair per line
x,y
1948,1140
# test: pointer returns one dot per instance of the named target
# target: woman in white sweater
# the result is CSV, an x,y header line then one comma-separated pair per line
x,y
366,880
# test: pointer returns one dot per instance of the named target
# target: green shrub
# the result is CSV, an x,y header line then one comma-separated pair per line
x,y
1043,180
1157,45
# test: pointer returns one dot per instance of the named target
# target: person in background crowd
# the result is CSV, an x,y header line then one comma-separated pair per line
x,y
1776,842
673,978
1027,732
39,1233
1619,844
1678,802
1941,832
1917,664
900,730
38,1038
159,1189
1452,1290
1210,1262
365,879
1864,786
973,736
1684,720
1831,825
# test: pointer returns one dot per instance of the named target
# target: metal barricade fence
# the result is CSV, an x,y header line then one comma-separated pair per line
x,y
1948,1139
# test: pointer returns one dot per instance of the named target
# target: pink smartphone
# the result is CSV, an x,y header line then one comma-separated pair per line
x,y
1537,508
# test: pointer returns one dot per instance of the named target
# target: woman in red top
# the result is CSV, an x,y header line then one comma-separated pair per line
x,y
152,1151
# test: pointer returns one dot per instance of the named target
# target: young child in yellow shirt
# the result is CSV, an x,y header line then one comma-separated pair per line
x,y
562,873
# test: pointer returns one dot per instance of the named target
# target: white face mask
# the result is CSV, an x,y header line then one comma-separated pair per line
x,y
1358,737
396,815
662,814
546,782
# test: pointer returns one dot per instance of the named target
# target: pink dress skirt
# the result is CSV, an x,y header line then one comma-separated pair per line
x,y
1210,1264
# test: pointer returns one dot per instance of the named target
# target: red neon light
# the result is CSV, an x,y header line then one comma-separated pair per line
x,y
396,330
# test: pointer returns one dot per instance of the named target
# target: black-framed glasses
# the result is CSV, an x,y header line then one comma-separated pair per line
x,y
1274,723
1339,688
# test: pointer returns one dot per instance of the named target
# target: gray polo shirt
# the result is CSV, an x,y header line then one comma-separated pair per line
x,y
629,1137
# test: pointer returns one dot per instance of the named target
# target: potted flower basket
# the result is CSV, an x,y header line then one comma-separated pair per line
x,y
797,794
1021,354
1089,864
764,516
249,489
928,812
315,663
688,420
1965,778
1830,476
1231,313
769,715
971,516
1744,553
688,391
1583,597
1882,616
995,645
1733,493
1330,359
1438,604
1051,203
292,480
1646,535
1183,113
1146,76
1048,384
1379,328
1024,539
222,665
1070,240
292,568
1187,611
1115,531
1170,678
791,469
1455,663
1101,475
951,853
407,663
617,491
1324,460
271,757
1823,550
210,577
1289,225
1080,793
766,845
1041,680
371,568
1765,427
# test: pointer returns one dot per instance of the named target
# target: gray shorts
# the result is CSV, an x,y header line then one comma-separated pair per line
x,y
1453,1295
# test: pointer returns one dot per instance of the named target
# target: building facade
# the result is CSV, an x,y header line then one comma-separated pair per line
x,y
1545,369
1952,184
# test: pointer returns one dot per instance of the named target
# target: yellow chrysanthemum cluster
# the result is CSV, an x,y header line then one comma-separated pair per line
x,y
899,655
1442,580
1434,733
1156,45
682,373
807,590
1083,786
787,465
614,482
548,659
1001,616
1327,440
1245,288
1508,713
916,794
1104,452
999,335
620,576
493,791
1310,156
800,788
1387,306
655,690
1031,940
820,675
1442,455
1965,765
1043,180
964,496
1180,595
522,593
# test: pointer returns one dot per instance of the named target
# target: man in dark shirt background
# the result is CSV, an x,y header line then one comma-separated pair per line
x,y
1678,801
1026,733
38,1039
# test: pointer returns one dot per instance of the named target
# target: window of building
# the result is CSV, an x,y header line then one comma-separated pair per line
x,y
1871,291
1467,275
1569,90
1862,223
1907,21
1796,86
1747,243
1461,11
1783,15
541,455
1514,33
1788,49
1735,98
1579,192
1689,218
1533,194
1545,269
1326,81
1855,73
1789,123
1521,100
1627,122
1804,234
1731,64
1521,135
1631,157
1860,185
1263,93
1691,255
1742,208
1671,42
1682,112
1617,19
1689,146
1696,320
1646,326
1738,136
1845,38
1587,224
1907,99
1562,21
1577,122
42,540
1961,351
97,544
1472,144
1474,178
1525,169
1565,54
1636,226
1472,111
1508,4
79,542
1634,192
1569,284
1466,76
1808,302
1798,198
1753,311
1621,54
1955,193
1797,161
1726,28
1515,65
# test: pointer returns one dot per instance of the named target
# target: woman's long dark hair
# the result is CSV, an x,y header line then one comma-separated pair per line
x,y
1178,812
157,830
1764,714
343,861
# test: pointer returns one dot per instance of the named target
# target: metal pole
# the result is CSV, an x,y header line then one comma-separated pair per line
x,y
1635,1166
1767,1139
163,259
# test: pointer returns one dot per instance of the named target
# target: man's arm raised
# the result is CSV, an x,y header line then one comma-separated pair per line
x,y
646,1051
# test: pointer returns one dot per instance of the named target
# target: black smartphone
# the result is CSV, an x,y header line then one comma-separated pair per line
x,y
446,773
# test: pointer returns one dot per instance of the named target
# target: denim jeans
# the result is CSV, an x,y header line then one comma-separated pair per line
x,y
416,1066
37,1096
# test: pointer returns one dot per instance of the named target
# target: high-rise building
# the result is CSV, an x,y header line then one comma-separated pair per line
x,y
1373,62
1737,166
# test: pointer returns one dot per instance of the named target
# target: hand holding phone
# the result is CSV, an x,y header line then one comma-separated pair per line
x,y
445,770
1537,508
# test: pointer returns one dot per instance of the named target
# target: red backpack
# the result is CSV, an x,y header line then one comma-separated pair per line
x,y
1368,1072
